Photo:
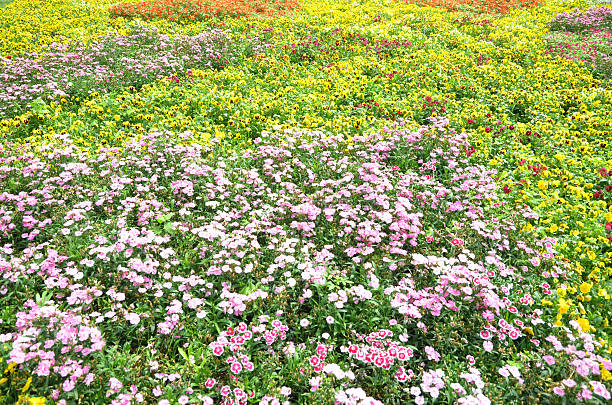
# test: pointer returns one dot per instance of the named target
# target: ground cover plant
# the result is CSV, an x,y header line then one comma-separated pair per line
x,y
355,202
113,62
489,6
193,10
584,36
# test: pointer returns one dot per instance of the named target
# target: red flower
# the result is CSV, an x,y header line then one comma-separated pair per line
x,y
507,190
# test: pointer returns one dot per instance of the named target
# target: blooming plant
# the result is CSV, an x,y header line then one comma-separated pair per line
x,y
197,10
344,202
585,37
111,62
365,229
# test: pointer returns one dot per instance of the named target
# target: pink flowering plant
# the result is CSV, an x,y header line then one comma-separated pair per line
x,y
307,267
584,36
55,346
113,62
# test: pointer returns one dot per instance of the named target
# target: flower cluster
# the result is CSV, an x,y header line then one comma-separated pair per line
x,y
197,10
110,62
56,345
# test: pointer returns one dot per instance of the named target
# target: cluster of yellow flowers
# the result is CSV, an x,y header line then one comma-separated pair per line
x,y
31,26
23,399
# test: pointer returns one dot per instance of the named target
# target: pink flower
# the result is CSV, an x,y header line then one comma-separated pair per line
x,y
600,389
132,318
559,391
304,322
550,360
432,354
330,319
183,399
236,368
315,382
586,394
210,383
487,345
68,385
115,384
569,383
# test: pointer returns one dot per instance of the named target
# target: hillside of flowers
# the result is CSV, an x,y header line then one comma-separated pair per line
x,y
305,202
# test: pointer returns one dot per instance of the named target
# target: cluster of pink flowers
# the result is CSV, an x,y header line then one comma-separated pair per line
x,y
371,257
236,339
114,61
55,344
380,351
584,36
577,20
355,396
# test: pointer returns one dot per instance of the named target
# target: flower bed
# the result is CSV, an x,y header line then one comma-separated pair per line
x,y
113,62
305,266
584,36
299,223
195,10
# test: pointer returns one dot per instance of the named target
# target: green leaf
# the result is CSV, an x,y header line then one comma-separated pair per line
x,y
169,228
39,107
183,354
165,217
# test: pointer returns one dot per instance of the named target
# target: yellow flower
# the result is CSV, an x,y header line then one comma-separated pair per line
x,y
561,292
584,324
27,385
543,185
563,306
10,368
36,401
585,287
